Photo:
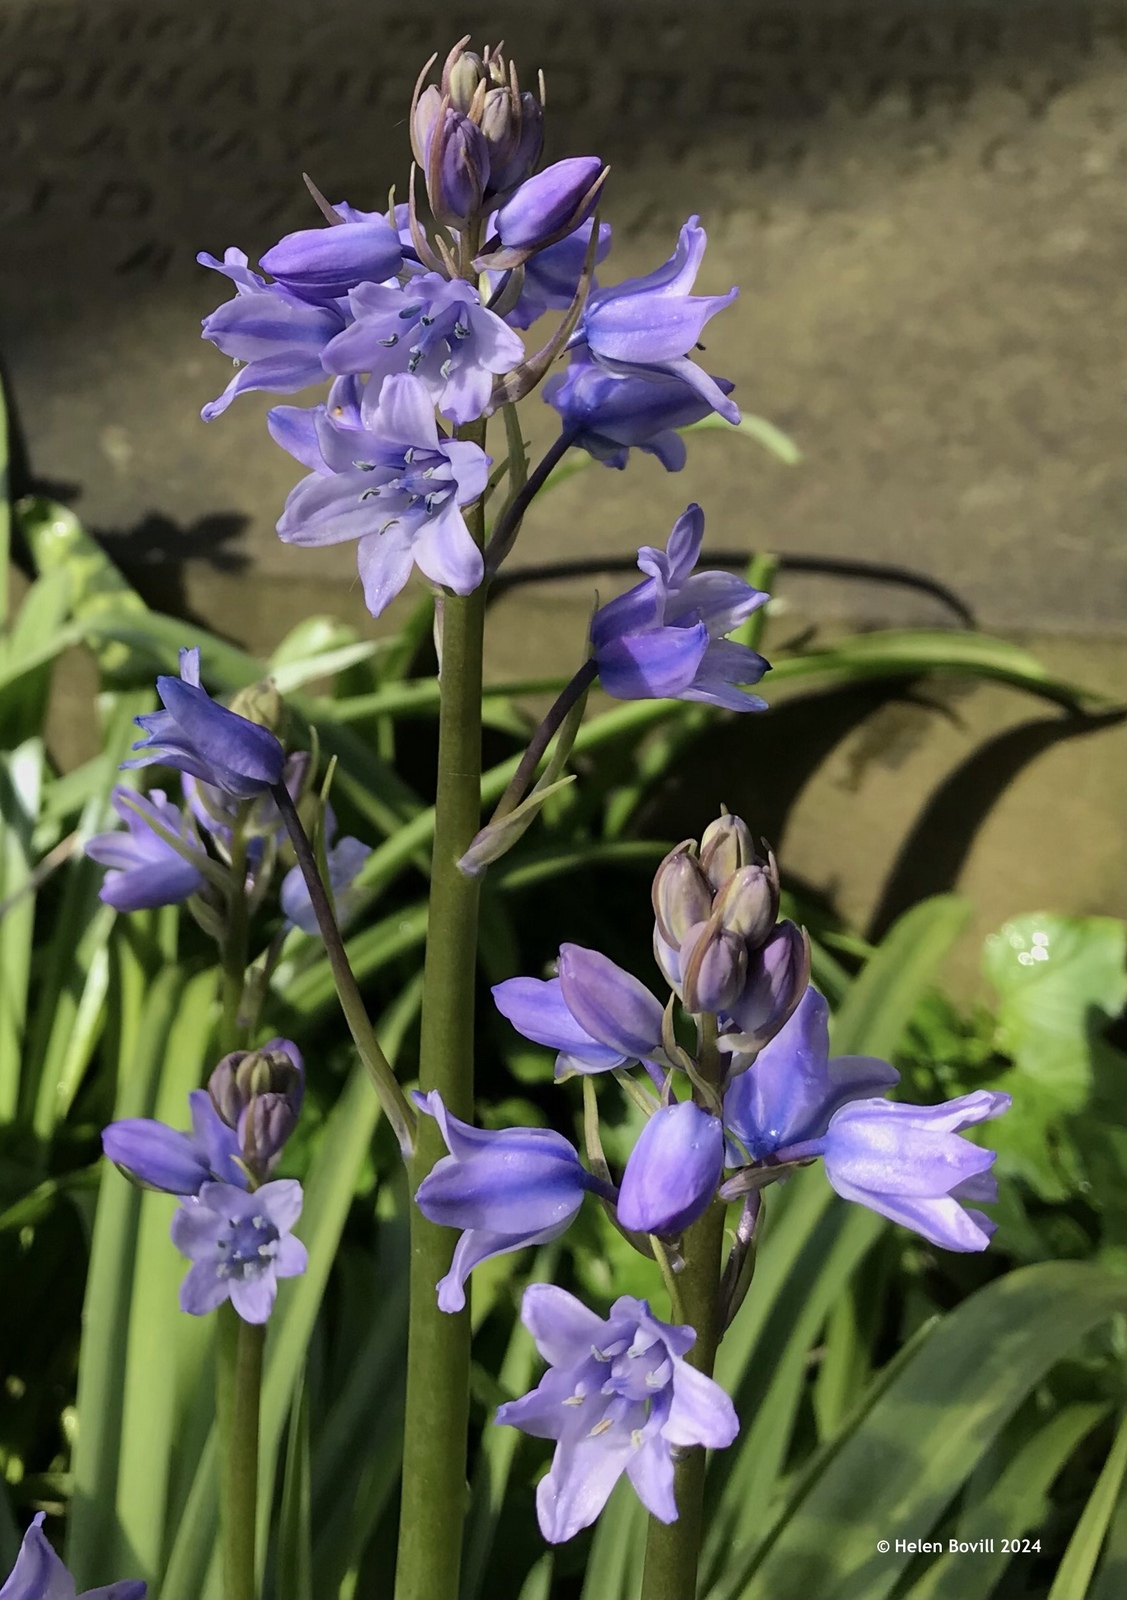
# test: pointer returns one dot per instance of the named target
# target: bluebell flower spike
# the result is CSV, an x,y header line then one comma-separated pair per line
x,y
39,1574
239,1245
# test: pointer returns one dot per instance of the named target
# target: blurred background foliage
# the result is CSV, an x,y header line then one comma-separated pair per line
x,y
887,1391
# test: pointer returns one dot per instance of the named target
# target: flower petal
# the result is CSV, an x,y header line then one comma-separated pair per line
x,y
609,1004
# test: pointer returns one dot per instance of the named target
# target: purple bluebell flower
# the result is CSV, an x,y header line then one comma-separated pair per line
x,y
504,1189
321,265
39,1574
383,475
259,1094
777,975
274,337
673,1170
594,1014
434,329
145,870
665,638
344,860
159,1157
239,1245
908,1164
795,1087
198,736
545,209
646,327
551,278
455,159
608,416
618,1397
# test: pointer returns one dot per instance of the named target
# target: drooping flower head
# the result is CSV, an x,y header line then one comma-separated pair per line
x,y
159,1157
618,1397
673,1170
594,1014
196,735
608,416
666,637
40,1575
239,1245
551,276
382,474
145,870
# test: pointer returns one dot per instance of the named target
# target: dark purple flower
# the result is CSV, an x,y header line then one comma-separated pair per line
x,y
40,1575
159,1157
275,338
504,1189
908,1163
145,870
239,1245
609,415
545,209
383,475
198,736
646,327
551,278
665,638
618,1397
455,159
673,1170
437,331
322,264
594,1014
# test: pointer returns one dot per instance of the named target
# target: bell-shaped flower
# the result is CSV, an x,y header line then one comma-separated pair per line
x,y
239,1245
321,265
39,1574
594,1014
673,1170
909,1164
159,1157
196,735
434,329
145,870
665,638
344,860
545,209
777,975
795,1086
455,160
618,1397
274,337
384,476
608,416
504,1189
552,276
646,327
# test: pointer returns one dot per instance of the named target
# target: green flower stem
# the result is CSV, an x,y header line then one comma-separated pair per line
x,y
234,947
438,1351
391,1097
521,781
673,1549
239,1347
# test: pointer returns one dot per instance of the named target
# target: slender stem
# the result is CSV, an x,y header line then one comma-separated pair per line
x,y
504,534
235,927
239,1347
521,780
391,1097
438,1354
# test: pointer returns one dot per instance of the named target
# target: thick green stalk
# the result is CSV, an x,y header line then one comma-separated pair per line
x,y
239,1347
438,1355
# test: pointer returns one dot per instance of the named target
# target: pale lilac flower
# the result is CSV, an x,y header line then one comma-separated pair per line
x,y
239,1244
145,870
545,209
673,1170
594,1014
505,1189
382,474
159,1157
344,860
666,637
321,265
618,1397
39,1574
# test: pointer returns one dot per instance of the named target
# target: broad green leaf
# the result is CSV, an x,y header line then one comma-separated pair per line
x,y
294,1562
1079,1561
1111,1575
894,1475
881,999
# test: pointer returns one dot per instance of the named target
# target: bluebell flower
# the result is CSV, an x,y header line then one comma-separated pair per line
x,y
259,1093
546,208
159,1157
665,638
321,265
504,1189
594,1014
383,475
239,1245
434,329
551,276
673,1170
145,870
39,1574
646,327
618,1397
608,416
275,338
344,860
196,735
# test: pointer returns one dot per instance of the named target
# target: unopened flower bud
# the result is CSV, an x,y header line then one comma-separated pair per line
x,y
748,904
681,894
260,703
777,977
713,968
514,130
545,209
673,1170
725,846
457,168
460,77
259,1093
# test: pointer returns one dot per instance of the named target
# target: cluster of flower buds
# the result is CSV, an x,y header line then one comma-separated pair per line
x,y
258,1094
718,940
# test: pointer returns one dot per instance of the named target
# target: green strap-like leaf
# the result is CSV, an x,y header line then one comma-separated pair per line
x,y
1079,1561
882,998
